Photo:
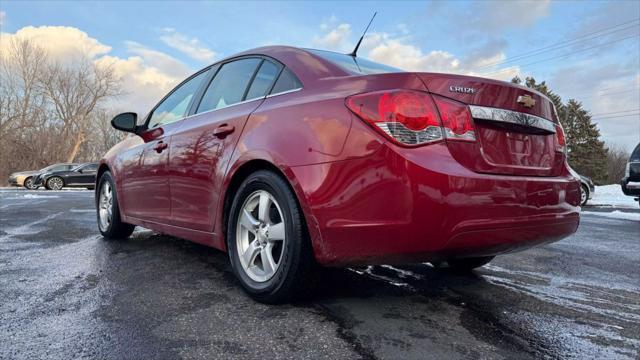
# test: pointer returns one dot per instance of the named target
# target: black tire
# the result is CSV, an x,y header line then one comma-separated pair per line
x,y
468,264
28,183
50,183
116,229
584,198
293,275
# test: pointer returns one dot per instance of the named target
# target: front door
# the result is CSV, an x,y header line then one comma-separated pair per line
x,y
202,147
146,192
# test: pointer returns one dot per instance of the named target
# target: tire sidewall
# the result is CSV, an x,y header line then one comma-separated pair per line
x,y
267,181
106,177
27,186
583,189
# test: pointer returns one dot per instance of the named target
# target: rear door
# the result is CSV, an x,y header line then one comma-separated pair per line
x,y
201,148
145,188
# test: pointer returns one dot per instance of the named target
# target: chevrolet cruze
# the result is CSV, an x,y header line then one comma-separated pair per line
x,y
286,158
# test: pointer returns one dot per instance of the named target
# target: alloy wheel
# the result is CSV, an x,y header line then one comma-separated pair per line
x,y
105,206
583,196
55,183
29,183
260,236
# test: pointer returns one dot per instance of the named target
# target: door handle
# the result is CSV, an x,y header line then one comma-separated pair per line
x,y
223,130
160,146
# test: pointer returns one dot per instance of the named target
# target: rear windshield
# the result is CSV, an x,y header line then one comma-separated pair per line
x,y
355,65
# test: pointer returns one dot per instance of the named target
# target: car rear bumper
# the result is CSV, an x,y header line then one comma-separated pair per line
x,y
630,188
406,205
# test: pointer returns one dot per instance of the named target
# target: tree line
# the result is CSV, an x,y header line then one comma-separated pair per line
x,y
50,111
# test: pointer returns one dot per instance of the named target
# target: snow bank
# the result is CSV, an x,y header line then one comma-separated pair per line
x,y
617,214
612,195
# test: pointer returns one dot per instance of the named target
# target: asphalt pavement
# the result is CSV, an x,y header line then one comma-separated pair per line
x,y
67,293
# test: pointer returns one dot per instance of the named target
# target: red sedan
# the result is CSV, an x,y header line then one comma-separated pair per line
x,y
287,158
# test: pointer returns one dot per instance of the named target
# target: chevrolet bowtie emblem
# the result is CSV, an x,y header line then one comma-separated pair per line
x,y
526,101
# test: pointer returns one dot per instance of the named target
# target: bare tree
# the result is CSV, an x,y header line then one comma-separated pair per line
x,y
52,112
617,158
75,93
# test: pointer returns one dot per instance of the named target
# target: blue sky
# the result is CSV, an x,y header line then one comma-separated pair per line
x,y
163,41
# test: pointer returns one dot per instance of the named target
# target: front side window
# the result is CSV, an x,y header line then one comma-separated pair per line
x,y
229,84
175,106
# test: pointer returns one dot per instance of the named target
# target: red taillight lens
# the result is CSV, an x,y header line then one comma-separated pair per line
x,y
408,117
456,119
562,144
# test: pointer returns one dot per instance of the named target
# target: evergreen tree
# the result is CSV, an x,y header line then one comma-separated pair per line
x,y
587,153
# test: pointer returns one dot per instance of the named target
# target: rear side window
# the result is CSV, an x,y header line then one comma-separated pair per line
x,y
287,81
263,80
229,84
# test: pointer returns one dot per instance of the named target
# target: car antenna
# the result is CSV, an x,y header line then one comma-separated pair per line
x,y
355,51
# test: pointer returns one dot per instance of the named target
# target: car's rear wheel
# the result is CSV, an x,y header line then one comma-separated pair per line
x,y
584,195
109,222
468,264
29,184
54,183
267,240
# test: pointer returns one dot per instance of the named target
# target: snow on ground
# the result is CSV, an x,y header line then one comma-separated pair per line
x,y
616,214
612,195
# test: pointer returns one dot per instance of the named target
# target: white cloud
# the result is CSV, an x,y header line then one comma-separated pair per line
x,y
334,39
61,42
192,47
499,15
146,75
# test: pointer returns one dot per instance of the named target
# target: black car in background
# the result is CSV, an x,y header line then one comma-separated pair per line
x,y
587,188
26,178
631,181
83,175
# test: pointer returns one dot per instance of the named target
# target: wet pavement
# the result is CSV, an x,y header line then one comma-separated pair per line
x,y
68,293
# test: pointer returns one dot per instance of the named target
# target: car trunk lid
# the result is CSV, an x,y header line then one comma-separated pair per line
x,y
515,126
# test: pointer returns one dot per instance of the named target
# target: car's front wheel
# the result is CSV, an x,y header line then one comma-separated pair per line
x,y
267,240
108,211
54,183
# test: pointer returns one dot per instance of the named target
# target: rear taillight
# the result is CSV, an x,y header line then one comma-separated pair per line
x,y
456,119
411,117
561,142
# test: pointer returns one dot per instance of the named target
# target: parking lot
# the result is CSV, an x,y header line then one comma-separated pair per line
x,y
68,293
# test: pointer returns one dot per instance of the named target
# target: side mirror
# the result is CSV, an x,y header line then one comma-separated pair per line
x,y
125,122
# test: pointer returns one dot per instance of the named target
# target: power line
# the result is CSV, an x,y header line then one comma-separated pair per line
x,y
564,55
615,117
609,88
562,44
604,94
616,112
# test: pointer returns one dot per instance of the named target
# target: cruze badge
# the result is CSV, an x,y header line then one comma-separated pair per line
x,y
526,101
462,89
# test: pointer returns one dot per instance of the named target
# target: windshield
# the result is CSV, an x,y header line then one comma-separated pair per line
x,y
635,155
354,64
